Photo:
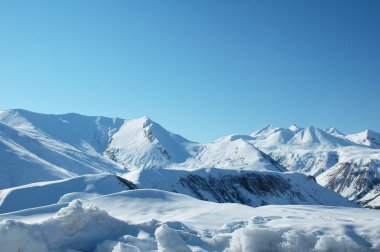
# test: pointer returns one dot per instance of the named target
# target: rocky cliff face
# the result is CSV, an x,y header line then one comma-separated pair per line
x,y
352,179
245,187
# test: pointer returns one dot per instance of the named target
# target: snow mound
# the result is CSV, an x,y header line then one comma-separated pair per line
x,y
290,240
82,226
79,226
84,187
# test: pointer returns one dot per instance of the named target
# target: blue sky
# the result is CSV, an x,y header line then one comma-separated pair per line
x,y
202,69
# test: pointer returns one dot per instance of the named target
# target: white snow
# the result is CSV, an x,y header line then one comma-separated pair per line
x,y
36,147
69,210
151,220
368,138
143,143
46,193
234,151
240,186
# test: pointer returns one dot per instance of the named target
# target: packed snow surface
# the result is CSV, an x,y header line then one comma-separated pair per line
x,y
153,220
47,193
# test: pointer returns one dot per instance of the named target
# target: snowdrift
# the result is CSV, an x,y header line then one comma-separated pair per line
x,y
92,226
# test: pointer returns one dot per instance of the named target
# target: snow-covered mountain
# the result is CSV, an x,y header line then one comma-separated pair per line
x,y
346,164
314,137
355,174
103,184
334,132
308,150
37,147
142,143
253,188
372,198
234,151
368,137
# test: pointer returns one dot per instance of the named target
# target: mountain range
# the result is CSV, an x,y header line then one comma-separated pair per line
x,y
270,166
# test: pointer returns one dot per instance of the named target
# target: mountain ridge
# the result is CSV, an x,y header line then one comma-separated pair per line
x,y
37,147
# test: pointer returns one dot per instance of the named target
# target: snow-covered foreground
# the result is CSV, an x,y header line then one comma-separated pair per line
x,y
151,220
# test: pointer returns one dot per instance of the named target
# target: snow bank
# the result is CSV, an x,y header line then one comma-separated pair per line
x,y
81,226
289,240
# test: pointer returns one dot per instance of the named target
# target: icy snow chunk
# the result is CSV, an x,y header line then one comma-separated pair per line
x,y
17,236
169,241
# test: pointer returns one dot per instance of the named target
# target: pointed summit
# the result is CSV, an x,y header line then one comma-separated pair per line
x,y
142,143
333,131
295,128
267,129
312,136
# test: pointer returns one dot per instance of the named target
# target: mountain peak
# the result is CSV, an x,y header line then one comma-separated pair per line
x,y
312,136
295,128
145,121
368,137
266,129
333,131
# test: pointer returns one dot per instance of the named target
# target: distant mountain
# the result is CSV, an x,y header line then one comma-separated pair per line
x,y
346,164
39,147
271,136
334,132
295,128
368,137
234,151
314,137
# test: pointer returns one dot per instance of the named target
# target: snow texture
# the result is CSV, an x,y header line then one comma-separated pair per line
x,y
146,220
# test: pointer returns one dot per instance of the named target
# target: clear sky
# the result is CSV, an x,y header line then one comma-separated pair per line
x,y
200,68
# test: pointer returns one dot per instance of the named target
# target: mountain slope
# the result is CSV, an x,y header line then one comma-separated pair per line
x,y
142,143
36,147
20,163
368,138
253,188
88,133
348,165
234,151
356,173
271,136
314,137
